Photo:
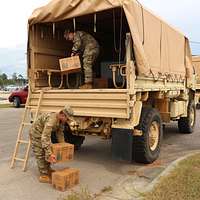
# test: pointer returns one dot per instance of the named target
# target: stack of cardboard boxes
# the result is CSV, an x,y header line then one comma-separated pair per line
x,y
68,177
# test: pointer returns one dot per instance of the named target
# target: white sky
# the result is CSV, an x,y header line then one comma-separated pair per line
x,y
13,20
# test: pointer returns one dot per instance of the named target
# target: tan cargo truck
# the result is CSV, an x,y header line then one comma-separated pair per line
x,y
196,64
145,66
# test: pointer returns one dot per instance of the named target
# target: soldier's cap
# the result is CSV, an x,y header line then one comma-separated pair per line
x,y
67,110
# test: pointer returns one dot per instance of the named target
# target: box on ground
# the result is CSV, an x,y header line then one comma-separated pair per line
x,y
66,178
63,151
70,64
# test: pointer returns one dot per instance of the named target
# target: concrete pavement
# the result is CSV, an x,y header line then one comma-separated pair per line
x,y
97,168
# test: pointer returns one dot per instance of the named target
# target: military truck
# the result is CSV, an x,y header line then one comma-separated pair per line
x,y
145,63
196,64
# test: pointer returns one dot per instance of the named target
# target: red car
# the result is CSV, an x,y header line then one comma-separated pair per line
x,y
18,97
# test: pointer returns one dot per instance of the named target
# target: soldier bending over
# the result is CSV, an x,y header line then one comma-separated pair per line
x,y
40,135
85,44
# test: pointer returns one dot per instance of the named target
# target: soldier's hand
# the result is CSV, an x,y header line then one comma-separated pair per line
x,y
72,54
52,158
74,126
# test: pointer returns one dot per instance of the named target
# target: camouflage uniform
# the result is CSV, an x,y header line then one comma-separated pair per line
x,y
40,135
86,44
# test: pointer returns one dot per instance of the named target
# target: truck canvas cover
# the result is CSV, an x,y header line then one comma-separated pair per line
x,y
160,50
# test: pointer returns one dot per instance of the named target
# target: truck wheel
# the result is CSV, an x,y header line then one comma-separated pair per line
x,y
186,124
146,148
16,102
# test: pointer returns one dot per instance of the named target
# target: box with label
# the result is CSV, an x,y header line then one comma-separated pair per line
x,y
63,151
70,64
66,178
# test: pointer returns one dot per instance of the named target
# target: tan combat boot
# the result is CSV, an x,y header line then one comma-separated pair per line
x,y
86,86
44,178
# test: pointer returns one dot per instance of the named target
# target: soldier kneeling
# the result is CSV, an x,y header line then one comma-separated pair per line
x,y
40,135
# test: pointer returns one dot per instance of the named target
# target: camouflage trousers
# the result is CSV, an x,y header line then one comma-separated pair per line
x,y
43,165
89,58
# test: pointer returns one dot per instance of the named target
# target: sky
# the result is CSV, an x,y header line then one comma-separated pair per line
x,y
182,14
13,35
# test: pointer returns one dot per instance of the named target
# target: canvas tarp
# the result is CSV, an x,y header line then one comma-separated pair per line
x,y
160,50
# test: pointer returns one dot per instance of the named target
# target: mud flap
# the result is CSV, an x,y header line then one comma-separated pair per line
x,y
122,144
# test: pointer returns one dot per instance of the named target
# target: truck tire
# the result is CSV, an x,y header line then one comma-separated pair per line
x,y
146,148
16,102
187,124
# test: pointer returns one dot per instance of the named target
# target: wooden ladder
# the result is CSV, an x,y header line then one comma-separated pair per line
x,y
23,124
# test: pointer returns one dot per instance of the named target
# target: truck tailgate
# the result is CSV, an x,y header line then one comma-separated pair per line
x,y
112,103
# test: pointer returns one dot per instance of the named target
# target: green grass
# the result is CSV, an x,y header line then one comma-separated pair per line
x,y
6,106
84,194
183,183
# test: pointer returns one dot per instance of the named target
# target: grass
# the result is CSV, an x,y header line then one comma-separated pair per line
x,y
6,106
183,183
84,194
106,189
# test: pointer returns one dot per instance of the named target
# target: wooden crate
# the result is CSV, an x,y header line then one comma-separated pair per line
x,y
70,64
66,178
63,151
99,83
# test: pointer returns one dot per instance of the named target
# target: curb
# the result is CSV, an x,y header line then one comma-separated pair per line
x,y
130,188
167,171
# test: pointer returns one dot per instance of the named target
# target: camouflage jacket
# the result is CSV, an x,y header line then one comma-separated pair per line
x,y
84,43
41,131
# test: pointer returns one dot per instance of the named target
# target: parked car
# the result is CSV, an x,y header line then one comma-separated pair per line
x,y
18,97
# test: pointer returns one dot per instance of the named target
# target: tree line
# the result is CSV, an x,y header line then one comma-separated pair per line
x,y
16,79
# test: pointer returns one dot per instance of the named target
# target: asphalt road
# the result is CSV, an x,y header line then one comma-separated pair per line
x,y
97,169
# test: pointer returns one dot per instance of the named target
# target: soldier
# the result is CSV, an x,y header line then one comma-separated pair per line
x,y
40,135
85,44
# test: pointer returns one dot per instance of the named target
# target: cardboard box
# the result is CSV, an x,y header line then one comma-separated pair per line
x,y
70,64
66,178
63,151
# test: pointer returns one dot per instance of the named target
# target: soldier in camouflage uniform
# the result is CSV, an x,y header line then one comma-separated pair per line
x,y
40,135
85,44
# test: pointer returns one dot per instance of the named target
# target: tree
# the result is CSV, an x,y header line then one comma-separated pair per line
x,y
21,79
4,77
1,82
14,76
